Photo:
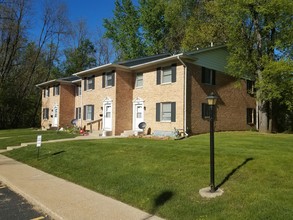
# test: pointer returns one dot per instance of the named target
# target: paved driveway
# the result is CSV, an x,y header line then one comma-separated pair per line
x,y
13,206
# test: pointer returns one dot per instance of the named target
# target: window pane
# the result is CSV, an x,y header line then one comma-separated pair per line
x,y
166,111
109,77
139,80
90,83
108,111
167,75
88,112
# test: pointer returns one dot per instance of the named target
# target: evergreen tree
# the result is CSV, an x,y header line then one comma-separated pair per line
x,y
124,30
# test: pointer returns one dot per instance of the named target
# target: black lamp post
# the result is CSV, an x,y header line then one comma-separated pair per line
x,y
212,99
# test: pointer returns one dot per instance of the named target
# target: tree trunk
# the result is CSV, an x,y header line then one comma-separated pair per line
x,y
265,117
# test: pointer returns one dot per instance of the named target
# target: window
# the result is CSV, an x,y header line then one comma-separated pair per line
x,y
89,83
108,79
45,113
139,80
166,74
78,113
78,91
250,116
250,87
88,112
108,111
208,76
166,111
47,92
56,90
205,111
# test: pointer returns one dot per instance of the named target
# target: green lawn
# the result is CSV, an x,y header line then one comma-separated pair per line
x,y
163,177
17,136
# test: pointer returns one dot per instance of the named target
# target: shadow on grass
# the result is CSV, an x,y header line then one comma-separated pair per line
x,y
159,201
233,171
45,156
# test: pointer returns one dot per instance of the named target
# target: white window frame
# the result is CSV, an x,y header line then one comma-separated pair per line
x,y
165,112
78,90
56,90
78,113
45,113
109,79
47,92
90,83
139,80
166,76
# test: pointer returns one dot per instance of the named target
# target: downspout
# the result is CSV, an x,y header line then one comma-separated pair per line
x,y
184,92
81,107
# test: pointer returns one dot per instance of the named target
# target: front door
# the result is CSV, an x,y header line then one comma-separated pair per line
x,y
107,116
138,115
55,116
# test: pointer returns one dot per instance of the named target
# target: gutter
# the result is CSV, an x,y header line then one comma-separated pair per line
x,y
184,92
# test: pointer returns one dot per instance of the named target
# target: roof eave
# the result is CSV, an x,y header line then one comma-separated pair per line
x,y
101,68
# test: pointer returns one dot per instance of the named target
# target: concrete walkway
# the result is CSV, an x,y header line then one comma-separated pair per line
x,y
62,199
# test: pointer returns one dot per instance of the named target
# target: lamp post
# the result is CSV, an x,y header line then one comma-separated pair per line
x,y
212,99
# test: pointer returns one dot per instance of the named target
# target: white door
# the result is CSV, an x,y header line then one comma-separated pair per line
x,y
138,116
55,116
107,117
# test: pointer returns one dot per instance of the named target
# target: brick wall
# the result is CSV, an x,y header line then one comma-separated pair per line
x,y
151,93
124,98
49,102
67,105
232,102
96,97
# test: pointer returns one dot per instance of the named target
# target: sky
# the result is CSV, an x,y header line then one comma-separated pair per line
x,y
92,11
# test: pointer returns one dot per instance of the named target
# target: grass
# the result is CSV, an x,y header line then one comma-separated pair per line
x,y
163,177
17,136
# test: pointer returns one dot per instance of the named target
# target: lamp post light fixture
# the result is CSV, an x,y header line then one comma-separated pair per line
x,y
212,100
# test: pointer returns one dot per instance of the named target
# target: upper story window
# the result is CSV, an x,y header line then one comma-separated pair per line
x,y
166,111
56,90
250,87
47,92
166,74
108,79
45,113
139,80
78,90
208,76
89,83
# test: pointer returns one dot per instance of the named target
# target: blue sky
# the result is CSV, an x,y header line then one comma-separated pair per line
x,y
92,11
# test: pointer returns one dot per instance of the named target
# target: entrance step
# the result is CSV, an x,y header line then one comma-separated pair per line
x,y
129,133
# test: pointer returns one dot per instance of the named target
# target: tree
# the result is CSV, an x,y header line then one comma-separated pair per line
x,y
81,58
256,32
177,15
203,28
154,26
25,62
104,50
123,30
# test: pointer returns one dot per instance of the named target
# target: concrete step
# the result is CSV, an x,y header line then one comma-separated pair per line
x,y
129,133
